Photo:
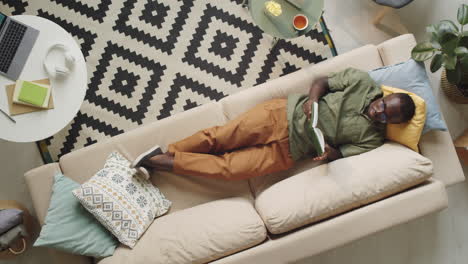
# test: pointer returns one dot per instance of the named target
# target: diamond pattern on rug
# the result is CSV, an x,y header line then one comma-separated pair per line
x,y
86,39
124,82
136,21
195,54
83,8
18,6
98,88
223,45
302,57
181,84
154,13
150,59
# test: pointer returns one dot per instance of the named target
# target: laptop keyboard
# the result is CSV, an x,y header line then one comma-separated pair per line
x,y
10,43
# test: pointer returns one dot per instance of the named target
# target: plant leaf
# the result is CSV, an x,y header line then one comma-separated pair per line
x,y
446,26
462,15
463,40
423,51
461,51
436,45
449,43
433,31
436,63
449,61
454,76
434,37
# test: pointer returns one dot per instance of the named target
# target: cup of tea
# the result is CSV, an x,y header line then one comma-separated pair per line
x,y
300,22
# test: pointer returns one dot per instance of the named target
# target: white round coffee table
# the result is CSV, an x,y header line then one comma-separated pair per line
x,y
68,93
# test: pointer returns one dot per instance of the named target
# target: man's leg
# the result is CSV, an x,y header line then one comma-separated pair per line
x,y
236,165
263,124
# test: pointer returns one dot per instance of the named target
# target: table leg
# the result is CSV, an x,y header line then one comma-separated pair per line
x,y
381,14
245,3
274,42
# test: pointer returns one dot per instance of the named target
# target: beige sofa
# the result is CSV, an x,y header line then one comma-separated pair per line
x,y
267,219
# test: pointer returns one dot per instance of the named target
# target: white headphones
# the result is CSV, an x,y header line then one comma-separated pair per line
x,y
59,71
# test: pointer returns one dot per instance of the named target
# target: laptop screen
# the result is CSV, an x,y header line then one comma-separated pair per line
x,y
2,19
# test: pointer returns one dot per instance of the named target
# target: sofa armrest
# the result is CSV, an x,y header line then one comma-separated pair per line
x,y
438,147
397,49
435,145
40,181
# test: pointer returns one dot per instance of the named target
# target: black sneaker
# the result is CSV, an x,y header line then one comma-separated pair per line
x,y
144,171
156,150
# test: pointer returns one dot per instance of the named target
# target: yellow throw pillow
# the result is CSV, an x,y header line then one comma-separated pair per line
x,y
408,133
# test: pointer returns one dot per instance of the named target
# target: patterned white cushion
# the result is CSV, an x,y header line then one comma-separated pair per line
x,y
122,200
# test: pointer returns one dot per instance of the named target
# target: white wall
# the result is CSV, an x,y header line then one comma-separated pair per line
x,y
420,13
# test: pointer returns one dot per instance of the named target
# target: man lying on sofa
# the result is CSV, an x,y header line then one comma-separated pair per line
x,y
271,136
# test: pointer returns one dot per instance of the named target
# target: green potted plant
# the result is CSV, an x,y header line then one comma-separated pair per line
x,y
448,48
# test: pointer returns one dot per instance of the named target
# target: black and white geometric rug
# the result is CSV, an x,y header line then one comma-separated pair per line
x,y
150,59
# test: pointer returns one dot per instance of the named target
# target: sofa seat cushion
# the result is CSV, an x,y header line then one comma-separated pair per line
x,y
337,187
196,235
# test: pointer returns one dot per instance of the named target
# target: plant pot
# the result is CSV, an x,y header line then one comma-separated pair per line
x,y
452,91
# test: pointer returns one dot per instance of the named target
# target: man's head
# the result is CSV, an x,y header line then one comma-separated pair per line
x,y
394,108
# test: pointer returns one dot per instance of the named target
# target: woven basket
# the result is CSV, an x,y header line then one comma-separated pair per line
x,y
452,91
28,223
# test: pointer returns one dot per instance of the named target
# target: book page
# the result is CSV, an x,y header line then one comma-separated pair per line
x,y
314,117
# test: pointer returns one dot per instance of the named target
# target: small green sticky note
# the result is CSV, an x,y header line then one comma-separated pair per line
x,y
32,93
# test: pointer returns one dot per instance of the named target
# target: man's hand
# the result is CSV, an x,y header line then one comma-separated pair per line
x,y
307,108
329,154
325,154
318,89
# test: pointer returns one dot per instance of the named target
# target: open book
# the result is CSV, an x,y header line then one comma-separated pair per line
x,y
32,94
315,134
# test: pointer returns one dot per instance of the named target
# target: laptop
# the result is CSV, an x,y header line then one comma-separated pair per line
x,y
16,43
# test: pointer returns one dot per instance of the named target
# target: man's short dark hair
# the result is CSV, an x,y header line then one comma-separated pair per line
x,y
407,107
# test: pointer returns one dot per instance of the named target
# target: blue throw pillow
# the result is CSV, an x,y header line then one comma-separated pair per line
x,y
70,228
411,76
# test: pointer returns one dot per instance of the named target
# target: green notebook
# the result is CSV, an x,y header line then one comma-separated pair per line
x,y
314,133
32,93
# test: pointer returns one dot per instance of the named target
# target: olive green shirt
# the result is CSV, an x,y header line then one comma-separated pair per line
x,y
341,116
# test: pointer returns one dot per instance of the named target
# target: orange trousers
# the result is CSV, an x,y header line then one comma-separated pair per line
x,y
254,144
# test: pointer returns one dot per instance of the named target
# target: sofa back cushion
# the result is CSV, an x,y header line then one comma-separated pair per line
x,y
342,185
365,58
